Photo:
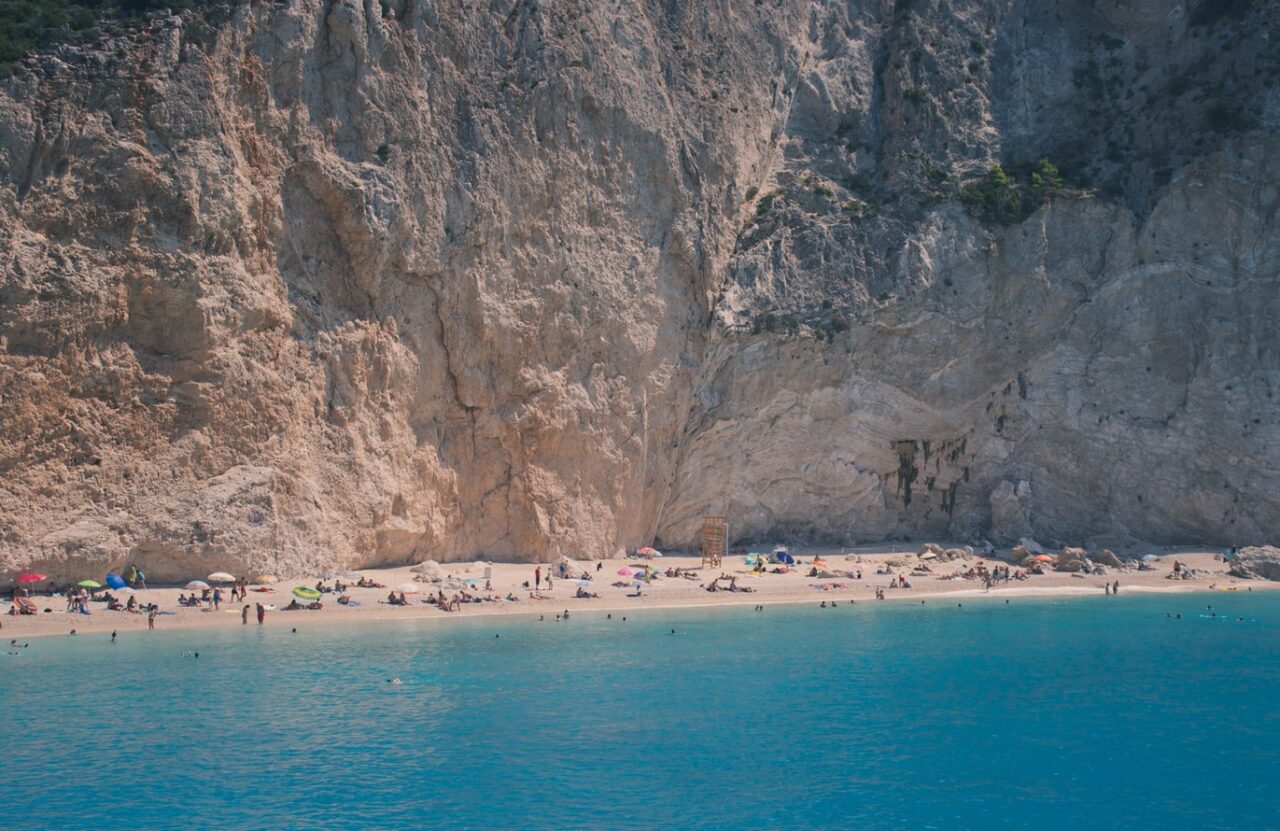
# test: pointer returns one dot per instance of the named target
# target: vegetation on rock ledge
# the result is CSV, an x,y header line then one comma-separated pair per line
x,y
27,25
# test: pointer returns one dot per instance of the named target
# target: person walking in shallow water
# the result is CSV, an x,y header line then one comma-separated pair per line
x,y
244,615
262,614
1115,589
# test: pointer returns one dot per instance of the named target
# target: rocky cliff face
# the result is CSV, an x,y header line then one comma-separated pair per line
x,y
329,283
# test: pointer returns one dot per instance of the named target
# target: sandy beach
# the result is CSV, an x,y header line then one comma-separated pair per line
x,y
615,591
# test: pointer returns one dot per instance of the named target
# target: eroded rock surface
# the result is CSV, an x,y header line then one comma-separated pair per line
x,y
1262,561
320,283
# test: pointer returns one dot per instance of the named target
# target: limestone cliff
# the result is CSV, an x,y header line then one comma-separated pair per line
x,y
307,283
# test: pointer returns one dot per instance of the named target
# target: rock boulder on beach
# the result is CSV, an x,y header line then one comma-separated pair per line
x,y
1257,562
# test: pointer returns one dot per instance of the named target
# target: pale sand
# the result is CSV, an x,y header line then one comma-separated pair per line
x,y
664,593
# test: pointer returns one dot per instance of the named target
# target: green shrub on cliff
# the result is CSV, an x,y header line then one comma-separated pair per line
x,y
27,25
1001,197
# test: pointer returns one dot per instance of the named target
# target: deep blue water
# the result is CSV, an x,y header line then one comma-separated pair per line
x,y
1089,713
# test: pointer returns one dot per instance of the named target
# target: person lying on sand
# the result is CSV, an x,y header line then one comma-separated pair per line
x,y
584,593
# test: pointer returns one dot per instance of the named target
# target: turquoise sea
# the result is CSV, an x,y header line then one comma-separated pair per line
x,y
1040,714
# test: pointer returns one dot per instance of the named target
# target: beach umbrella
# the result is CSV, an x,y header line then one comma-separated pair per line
x,y
31,577
220,577
89,584
586,584
1043,558
407,588
197,585
115,581
625,572
1146,558
264,580
305,593
125,590
928,555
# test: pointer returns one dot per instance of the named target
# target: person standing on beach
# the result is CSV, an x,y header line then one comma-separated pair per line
x,y
262,614
244,615
217,599
537,577
151,617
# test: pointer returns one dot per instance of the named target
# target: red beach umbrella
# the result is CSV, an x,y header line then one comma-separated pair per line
x,y
32,577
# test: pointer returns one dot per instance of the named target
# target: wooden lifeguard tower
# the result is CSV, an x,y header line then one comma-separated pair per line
x,y
715,540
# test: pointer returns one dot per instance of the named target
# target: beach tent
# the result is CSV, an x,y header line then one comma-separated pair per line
x,y
407,588
262,580
306,593
782,555
648,551
115,581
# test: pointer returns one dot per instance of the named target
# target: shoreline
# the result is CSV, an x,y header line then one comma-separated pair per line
x,y
665,594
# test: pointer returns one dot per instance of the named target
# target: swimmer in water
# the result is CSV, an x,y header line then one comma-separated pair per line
x,y
394,681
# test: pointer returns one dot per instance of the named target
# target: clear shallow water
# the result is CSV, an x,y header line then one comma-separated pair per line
x,y
1091,713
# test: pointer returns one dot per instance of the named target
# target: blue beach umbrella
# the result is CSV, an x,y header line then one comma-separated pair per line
x,y
115,581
